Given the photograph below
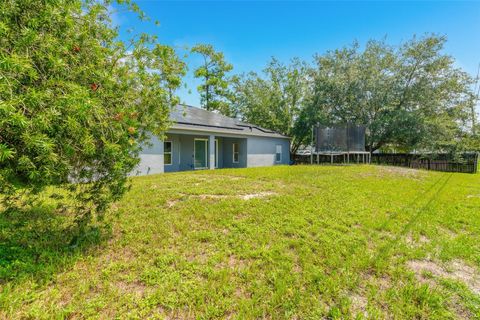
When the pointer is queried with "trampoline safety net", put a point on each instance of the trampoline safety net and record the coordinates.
(339, 138)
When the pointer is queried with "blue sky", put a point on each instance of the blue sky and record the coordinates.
(250, 32)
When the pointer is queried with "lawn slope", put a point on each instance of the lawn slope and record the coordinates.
(299, 242)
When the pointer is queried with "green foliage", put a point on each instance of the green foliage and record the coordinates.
(317, 241)
(76, 103)
(275, 99)
(214, 92)
(410, 97)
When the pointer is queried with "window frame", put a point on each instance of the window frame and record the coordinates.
(237, 152)
(179, 153)
(170, 152)
(278, 153)
(216, 153)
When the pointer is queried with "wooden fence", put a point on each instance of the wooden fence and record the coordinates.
(466, 163)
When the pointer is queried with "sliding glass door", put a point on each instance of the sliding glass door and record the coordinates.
(201, 153)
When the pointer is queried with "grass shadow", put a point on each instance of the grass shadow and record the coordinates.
(36, 243)
(383, 252)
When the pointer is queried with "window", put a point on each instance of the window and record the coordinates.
(236, 152)
(278, 153)
(167, 152)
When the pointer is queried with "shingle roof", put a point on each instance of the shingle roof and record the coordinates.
(192, 118)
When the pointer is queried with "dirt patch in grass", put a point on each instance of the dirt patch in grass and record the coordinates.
(200, 255)
(234, 178)
(467, 274)
(358, 305)
(473, 196)
(136, 288)
(172, 202)
(358, 297)
(234, 262)
(247, 196)
(456, 270)
(458, 308)
(212, 196)
(242, 293)
(416, 241)
(447, 232)
(167, 314)
(120, 254)
(401, 171)
(387, 171)
(205, 197)
(257, 195)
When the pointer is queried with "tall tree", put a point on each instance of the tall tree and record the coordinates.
(410, 97)
(274, 99)
(76, 103)
(214, 90)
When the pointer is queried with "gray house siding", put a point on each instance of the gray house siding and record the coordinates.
(228, 153)
(151, 158)
(187, 148)
(253, 152)
(256, 146)
(261, 151)
(176, 153)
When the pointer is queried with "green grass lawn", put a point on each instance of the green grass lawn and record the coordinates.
(299, 242)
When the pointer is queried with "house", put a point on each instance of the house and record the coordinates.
(201, 139)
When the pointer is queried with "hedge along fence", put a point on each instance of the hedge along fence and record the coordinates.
(466, 163)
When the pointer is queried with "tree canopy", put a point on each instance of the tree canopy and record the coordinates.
(76, 103)
(410, 97)
(214, 91)
(275, 98)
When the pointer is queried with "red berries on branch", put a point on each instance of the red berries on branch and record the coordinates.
(118, 116)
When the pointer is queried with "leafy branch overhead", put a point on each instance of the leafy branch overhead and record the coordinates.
(75, 102)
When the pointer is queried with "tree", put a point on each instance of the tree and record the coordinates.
(214, 91)
(275, 99)
(410, 97)
(76, 103)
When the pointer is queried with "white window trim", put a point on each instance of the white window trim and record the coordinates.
(179, 153)
(281, 151)
(233, 152)
(170, 153)
(216, 153)
(206, 153)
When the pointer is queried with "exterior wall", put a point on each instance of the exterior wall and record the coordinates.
(186, 143)
(176, 153)
(254, 152)
(228, 153)
(261, 151)
(151, 159)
